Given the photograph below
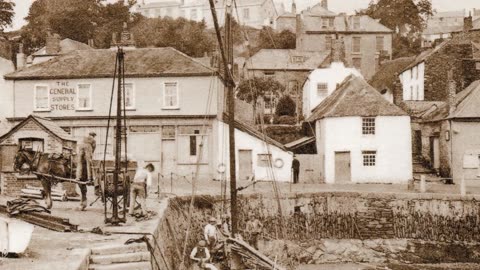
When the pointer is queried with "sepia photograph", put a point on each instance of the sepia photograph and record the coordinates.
(239, 134)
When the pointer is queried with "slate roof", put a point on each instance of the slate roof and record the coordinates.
(66, 45)
(300, 142)
(467, 103)
(318, 10)
(146, 62)
(420, 109)
(47, 124)
(425, 55)
(282, 59)
(388, 73)
(355, 97)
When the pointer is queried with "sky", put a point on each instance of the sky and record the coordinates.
(348, 6)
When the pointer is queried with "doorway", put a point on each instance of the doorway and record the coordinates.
(342, 168)
(245, 168)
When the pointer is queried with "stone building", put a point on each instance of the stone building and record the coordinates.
(289, 67)
(253, 13)
(441, 25)
(37, 134)
(367, 42)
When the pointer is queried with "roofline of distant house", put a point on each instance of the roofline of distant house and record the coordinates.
(105, 76)
(211, 116)
(347, 32)
(282, 69)
(458, 119)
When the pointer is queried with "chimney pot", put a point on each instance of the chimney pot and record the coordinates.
(294, 7)
(324, 4)
(21, 59)
(468, 23)
(338, 50)
(52, 46)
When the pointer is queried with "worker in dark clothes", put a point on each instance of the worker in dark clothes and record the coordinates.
(295, 169)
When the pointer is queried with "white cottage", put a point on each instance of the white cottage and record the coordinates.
(322, 82)
(361, 137)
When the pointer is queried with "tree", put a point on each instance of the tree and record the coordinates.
(189, 37)
(252, 89)
(285, 106)
(407, 18)
(269, 39)
(6, 13)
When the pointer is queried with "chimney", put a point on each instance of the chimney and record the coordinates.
(452, 92)
(324, 4)
(338, 50)
(468, 23)
(20, 57)
(294, 7)
(52, 46)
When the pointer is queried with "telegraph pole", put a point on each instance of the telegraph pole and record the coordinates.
(231, 116)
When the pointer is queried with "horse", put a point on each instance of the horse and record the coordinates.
(29, 161)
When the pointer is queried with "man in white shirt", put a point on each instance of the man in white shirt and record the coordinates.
(210, 233)
(138, 188)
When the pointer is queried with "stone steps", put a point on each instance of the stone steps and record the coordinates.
(123, 266)
(120, 257)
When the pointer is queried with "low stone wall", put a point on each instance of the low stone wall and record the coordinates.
(309, 219)
(13, 183)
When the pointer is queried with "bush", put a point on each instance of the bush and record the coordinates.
(286, 120)
(286, 106)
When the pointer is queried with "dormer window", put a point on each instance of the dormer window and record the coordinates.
(298, 59)
(328, 22)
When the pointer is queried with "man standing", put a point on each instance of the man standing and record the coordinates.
(210, 233)
(254, 228)
(138, 188)
(201, 255)
(85, 155)
(295, 169)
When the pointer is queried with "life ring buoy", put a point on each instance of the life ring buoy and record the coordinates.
(279, 163)
(221, 168)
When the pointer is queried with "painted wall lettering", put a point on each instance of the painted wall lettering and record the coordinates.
(62, 97)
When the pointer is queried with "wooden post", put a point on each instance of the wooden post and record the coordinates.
(423, 184)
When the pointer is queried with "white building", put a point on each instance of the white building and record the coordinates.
(361, 137)
(6, 66)
(322, 82)
(254, 13)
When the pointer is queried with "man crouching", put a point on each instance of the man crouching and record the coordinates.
(201, 255)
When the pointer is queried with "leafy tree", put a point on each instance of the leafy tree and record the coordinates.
(407, 18)
(189, 37)
(6, 13)
(252, 89)
(269, 39)
(285, 106)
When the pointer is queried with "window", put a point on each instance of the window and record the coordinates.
(246, 13)
(369, 158)
(193, 145)
(192, 139)
(380, 44)
(322, 89)
(411, 92)
(42, 98)
(193, 14)
(129, 96)
(331, 22)
(170, 99)
(293, 88)
(168, 133)
(298, 59)
(356, 22)
(84, 96)
(357, 62)
(34, 144)
(368, 125)
(356, 46)
(328, 43)
(324, 23)
(264, 160)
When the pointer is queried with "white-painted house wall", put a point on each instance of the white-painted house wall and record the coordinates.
(6, 94)
(392, 141)
(413, 82)
(245, 141)
(333, 75)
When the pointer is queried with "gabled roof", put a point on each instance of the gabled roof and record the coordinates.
(300, 142)
(467, 104)
(355, 97)
(420, 109)
(146, 62)
(319, 10)
(344, 23)
(283, 59)
(66, 45)
(388, 73)
(47, 124)
(425, 55)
